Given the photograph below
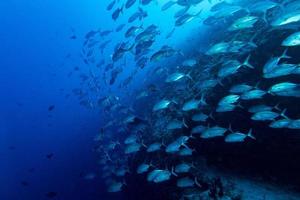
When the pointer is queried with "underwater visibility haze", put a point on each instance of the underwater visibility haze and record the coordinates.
(150, 99)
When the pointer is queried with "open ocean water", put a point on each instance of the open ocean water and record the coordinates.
(150, 99)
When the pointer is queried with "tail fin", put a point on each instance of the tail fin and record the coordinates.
(202, 100)
(220, 82)
(246, 62)
(284, 54)
(239, 105)
(172, 171)
(283, 114)
(250, 134)
(142, 143)
(230, 128)
(184, 123)
(276, 107)
(197, 183)
(211, 116)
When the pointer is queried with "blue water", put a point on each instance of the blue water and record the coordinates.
(47, 142)
(34, 38)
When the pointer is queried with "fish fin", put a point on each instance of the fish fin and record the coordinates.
(189, 76)
(220, 82)
(256, 85)
(181, 53)
(283, 114)
(184, 145)
(142, 143)
(163, 143)
(284, 54)
(172, 171)
(211, 116)
(250, 134)
(197, 183)
(246, 62)
(276, 107)
(184, 123)
(203, 101)
(239, 105)
(191, 136)
(230, 128)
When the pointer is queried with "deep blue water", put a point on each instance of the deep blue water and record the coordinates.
(47, 137)
(34, 38)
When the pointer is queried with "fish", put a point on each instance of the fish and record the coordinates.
(139, 14)
(117, 13)
(111, 5)
(234, 137)
(143, 168)
(176, 76)
(154, 147)
(198, 129)
(132, 148)
(280, 123)
(186, 18)
(176, 124)
(183, 168)
(185, 182)
(267, 115)
(253, 94)
(193, 104)
(131, 139)
(243, 23)
(240, 88)
(164, 52)
(132, 31)
(232, 66)
(120, 27)
(280, 70)
(189, 62)
(292, 40)
(145, 2)
(230, 99)
(294, 124)
(273, 62)
(186, 151)
(115, 187)
(161, 105)
(158, 175)
(90, 176)
(261, 107)
(285, 89)
(51, 107)
(168, 5)
(181, 12)
(286, 18)
(129, 3)
(51, 195)
(211, 132)
(201, 117)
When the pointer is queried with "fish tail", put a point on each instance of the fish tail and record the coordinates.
(197, 183)
(283, 114)
(284, 54)
(250, 134)
(247, 64)
(230, 128)
(211, 116)
(172, 171)
(184, 123)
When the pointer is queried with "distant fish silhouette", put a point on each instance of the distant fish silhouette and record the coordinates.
(50, 156)
(50, 108)
(51, 195)
(24, 183)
